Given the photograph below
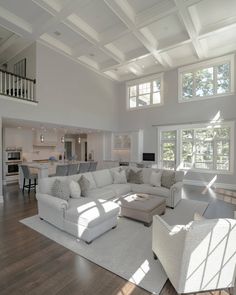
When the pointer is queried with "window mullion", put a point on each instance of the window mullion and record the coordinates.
(215, 80)
(194, 84)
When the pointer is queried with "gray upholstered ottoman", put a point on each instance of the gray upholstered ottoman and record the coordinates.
(142, 207)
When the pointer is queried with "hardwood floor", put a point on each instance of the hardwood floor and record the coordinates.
(33, 264)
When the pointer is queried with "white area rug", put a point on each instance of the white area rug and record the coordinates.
(126, 250)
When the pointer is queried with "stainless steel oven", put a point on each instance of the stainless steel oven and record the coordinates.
(12, 168)
(13, 154)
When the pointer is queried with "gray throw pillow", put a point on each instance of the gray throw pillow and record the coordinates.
(84, 186)
(60, 189)
(167, 178)
(135, 176)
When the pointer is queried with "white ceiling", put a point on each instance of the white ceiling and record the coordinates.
(122, 39)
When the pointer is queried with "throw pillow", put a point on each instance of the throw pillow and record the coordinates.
(84, 186)
(135, 176)
(155, 178)
(167, 178)
(75, 191)
(60, 189)
(119, 177)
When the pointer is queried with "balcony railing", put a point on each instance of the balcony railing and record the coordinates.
(17, 87)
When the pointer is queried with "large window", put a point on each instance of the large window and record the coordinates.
(200, 147)
(207, 79)
(144, 92)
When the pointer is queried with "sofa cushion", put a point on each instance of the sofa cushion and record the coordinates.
(167, 178)
(60, 189)
(92, 212)
(102, 177)
(45, 184)
(155, 178)
(104, 193)
(75, 191)
(135, 176)
(119, 177)
(147, 174)
(92, 182)
(148, 189)
(120, 189)
(84, 184)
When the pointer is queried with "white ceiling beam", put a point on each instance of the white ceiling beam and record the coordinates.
(187, 21)
(56, 43)
(14, 23)
(155, 13)
(135, 69)
(58, 17)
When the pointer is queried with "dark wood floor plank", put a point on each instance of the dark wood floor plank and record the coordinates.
(32, 264)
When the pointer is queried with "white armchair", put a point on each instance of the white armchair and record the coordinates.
(200, 256)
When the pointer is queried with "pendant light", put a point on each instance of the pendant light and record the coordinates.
(41, 138)
(63, 139)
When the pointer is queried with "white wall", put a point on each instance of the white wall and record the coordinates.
(68, 93)
(1, 198)
(174, 113)
(29, 54)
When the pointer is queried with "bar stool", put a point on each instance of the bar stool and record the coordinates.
(31, 177)
(84, 167)
(93, 166)
(61, 170)
(73, 169)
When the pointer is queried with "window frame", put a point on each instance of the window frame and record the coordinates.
(179, 128)
(202, 65)
(137, 82)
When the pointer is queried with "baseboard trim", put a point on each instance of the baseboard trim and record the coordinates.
(215, 185)
(1, 199)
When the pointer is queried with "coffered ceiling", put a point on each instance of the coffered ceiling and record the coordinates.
(123, 39)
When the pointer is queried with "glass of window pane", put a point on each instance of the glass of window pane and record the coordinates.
(156, 98)
(132, 102)
(168, 134)
(187, 134)
(204, 134)
(187, 85)
(204, 82)
(156, 86)
(144, 88)
(187, 154)
(168, 155)
(222, 132)
(144, 100)
(132, 91)
(222, 148)
(222, 163)
(223, 78)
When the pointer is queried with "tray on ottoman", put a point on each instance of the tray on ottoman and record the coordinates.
(142, 207)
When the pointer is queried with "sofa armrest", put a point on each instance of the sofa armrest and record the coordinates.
(177, 186)
(168, 246)
(52, 202)
(175, 194)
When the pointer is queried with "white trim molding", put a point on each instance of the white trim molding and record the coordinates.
(201, 65)
(206, 183)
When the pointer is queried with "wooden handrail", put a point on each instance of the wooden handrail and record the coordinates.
(18, 76)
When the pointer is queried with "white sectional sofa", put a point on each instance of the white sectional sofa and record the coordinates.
(90, 216)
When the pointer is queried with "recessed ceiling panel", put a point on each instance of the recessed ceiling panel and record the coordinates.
(128, 43)
(181, 55)
(97, 55)
(141, 5)
(209, 12)
(220, 43)
(167, 31)
(27, 10)
(98, 16)
(69, 37)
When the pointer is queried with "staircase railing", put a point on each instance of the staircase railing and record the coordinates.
(16, 86)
